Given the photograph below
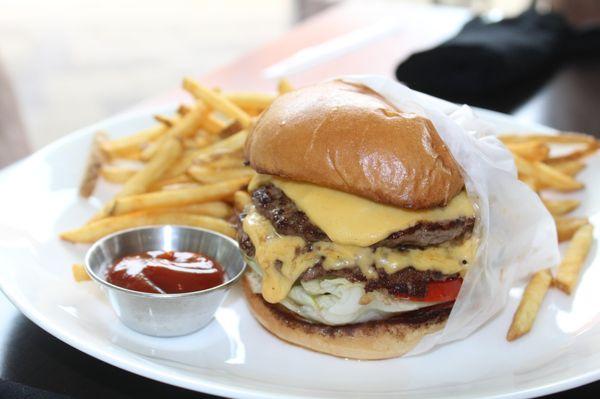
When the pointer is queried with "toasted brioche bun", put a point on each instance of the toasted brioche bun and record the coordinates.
(347, 137)
(368, 341)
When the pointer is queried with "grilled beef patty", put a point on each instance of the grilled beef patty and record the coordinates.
(408, 281)
(273, 204)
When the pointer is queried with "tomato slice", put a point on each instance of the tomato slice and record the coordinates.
(442, 291)
(439, 291)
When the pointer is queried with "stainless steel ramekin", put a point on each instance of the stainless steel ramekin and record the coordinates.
(165, 315)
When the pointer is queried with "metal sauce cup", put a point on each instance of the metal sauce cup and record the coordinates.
(165, 315)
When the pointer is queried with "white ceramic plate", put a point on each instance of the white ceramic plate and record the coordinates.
(234, 356)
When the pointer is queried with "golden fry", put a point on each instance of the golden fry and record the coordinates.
(116, 174)
(167, 181)
(225, 162)
(530, 304)
(241, 199)
(180, 186)
(284, 86)
(546, 175)
(79, 273)
(186, 126)
(207, 175)
(180, 166)
(570, 168)
(183, 109)
(229, 145)
(216, 101)
(168, 121)
(532, 150)
(562, 138)
(566, 227)
(149, 150)
(152, 171)
(561, 207)
(226, 146)
(95, 160)
(251, 100)
(577, 154)
(167, 199)
(569, 268)
(230, 130)
(213, 125)
(218, 209)
(95, 230)
(123, 147)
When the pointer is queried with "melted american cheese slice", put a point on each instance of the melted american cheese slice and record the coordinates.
(353, 220)
(283, 259)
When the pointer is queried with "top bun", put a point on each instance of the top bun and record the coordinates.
(347, 137)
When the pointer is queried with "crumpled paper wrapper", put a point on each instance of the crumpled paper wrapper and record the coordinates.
(517, 234)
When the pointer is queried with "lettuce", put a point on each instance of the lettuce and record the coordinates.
(336, 301)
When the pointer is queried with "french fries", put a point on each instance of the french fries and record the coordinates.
(540, 170)
(79, 273)
(115, 174)
(546, 176)
(562, 138)
(96, 159)
(284, 86)
(566, 227)
(95, 230)
(122, 147)
(213, 124)
(530, 304)
(561, 207)
(217, 101)
(570, 168)
(250, 101)
(208, 175)
(167, 199)
(531, 150)
(569, 268)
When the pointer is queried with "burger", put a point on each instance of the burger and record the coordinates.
(360, 230)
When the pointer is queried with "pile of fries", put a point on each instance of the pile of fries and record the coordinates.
(190, 171)
(544, 172)
(187, 170)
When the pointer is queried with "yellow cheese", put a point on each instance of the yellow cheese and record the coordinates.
(283, 259)
(353, 220)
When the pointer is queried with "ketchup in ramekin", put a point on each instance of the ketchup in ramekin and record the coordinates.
(166, 272)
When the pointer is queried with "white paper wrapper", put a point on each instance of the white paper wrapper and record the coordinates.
(517, 234)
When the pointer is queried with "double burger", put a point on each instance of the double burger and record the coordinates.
(360, 230)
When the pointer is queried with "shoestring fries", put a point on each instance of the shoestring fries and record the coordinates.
(187, 169)
(542, 171)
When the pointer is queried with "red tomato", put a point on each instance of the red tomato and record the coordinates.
(442, 291)
(439, 291)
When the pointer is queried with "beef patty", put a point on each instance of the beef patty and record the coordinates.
(407, 281)
(273, 204)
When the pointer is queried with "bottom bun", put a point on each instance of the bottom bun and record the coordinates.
(381, 339)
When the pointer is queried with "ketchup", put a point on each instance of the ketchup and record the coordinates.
(166, 272)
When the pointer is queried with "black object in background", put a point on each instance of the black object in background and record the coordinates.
(497, 64)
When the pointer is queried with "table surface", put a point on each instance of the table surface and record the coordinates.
(569, 100)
